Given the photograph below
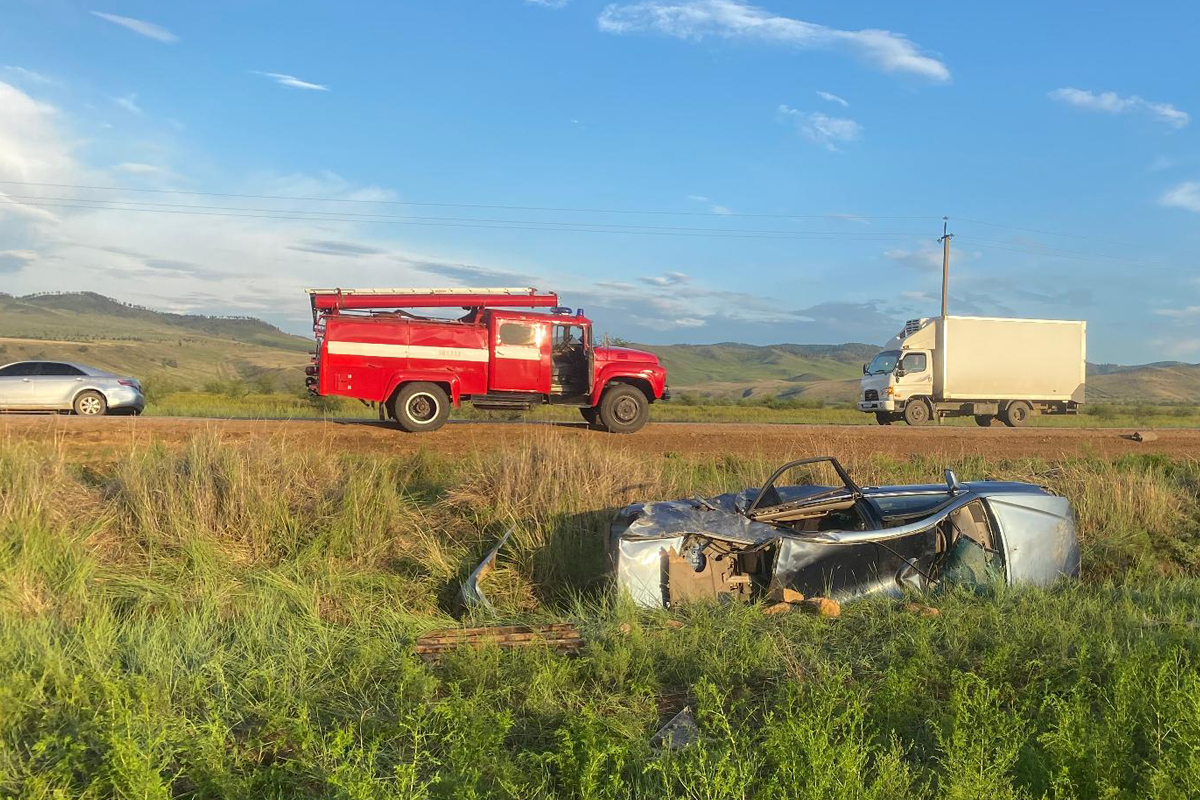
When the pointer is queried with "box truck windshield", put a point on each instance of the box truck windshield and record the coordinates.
(883, 363)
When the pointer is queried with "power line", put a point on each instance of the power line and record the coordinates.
(368, 217)
(842, 217)
(530, 225)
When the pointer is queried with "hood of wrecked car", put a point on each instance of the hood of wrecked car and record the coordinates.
(841, 542)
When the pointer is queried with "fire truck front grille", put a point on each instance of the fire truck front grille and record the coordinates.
(870, 394)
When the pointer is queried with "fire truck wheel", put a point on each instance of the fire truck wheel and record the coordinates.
(623, 409)
(420, 407)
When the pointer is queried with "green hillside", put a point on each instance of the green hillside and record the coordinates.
(183, 350)
(730, 369)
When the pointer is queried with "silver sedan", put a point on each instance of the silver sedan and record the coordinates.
(64, 386)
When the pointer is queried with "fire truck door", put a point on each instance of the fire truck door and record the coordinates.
(520, 356)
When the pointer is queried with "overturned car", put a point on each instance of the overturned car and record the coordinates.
(841, 542)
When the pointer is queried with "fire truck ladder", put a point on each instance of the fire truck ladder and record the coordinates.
(332, 301)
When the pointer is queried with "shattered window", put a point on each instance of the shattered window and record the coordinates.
(971, 557)
(908, 505)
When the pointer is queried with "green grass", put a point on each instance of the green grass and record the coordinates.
(241, 402)
(235, 620)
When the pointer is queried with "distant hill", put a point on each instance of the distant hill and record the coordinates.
(185, 350)
(831, 373)
(733, 370)
(189, 350)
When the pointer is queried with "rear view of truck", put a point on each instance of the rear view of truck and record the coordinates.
(988, 368)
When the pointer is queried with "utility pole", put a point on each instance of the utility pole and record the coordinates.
(945, 240)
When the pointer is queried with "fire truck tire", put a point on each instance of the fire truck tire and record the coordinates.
(419, 407)
(623, 409)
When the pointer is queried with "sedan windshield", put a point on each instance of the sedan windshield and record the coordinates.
(884, 363)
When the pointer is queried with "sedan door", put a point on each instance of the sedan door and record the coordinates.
(55, 385)
(16, 385)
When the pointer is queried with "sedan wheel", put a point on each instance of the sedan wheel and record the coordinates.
(91, 404)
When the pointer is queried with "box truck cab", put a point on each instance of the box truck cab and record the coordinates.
(983, 367)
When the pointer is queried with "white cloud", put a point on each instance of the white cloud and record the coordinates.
(134, 168)
(833, 98)
(925, 258)
(822, 129)
(29, 75)
(292, 81)
(148, 29)
(713, 208)
(548, 3)
(129, 103)
(14, 260)
(689, 322)
(729, 19)
(1181, 348)
(1187, 312)
(1112, 103)
(666, 279)
(1186, 196)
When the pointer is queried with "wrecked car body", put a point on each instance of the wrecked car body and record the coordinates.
(841, 542)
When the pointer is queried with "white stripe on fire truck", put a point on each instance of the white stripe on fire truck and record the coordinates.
(519, 352)
(407, 351)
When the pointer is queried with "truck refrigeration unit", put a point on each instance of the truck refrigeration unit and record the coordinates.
(498, 355)
(982, 367)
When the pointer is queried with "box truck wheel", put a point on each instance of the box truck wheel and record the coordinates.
(984, 420)
(917, 412)
(421, 407)
(1017, 413)
(884, 417)
(623, 409)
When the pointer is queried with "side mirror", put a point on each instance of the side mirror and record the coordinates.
(952, 483)
(900, 373)
(864, 369)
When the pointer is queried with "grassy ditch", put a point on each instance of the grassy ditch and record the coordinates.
(239, 403)
(236, 619)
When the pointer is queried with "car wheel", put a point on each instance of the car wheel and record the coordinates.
(984, 420)
(623, 409)
(884, 418)
(1017, 413)
(90, 404)
(917, 412)
(420, 407)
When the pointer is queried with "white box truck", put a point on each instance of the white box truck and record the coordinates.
(983, 367)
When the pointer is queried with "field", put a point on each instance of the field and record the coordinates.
(215, 612)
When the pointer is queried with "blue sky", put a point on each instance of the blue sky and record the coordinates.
(685, 170)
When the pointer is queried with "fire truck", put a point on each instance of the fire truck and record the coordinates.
(402, 351)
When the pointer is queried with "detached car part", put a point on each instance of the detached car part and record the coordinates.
(841, 542)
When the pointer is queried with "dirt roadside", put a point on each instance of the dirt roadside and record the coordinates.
(112, 434)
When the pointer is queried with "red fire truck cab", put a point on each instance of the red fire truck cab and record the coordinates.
(500, 354)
